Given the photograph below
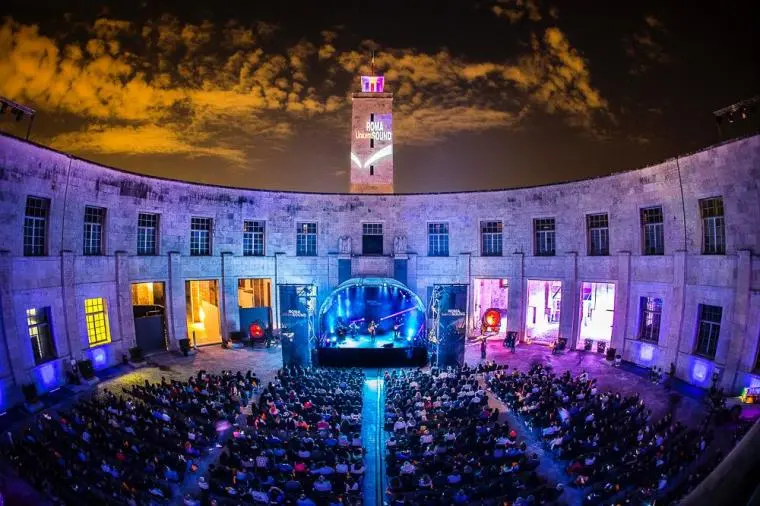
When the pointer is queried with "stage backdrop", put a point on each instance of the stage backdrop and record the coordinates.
(297, 317)
(452, 324)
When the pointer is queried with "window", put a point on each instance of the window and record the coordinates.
(35, 226)
(544, 230)
(652, 231)
(491, 238)
(306, 239)
(94, 218)
(372, 238)
(709, 330)
(253, 238)
(713, 226)
(38, 323)
(372, 142)
(96, 316)
(650, 316)
(371, 170)
(200, 236)
(598, 234)
(147, 234)
(438, 239)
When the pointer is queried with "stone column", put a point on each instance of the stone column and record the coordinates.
(568, 318)
(516, 298)
(10, 330)
(672, 337)
(229, 297)
(176, 327)
(70, 305)
(622, 297)
(124, 302)
(411, 272)
(739, 339)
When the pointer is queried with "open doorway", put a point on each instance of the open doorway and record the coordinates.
(254, 306)
(489, 303)
(597, 311)
(203, 318)
(543, 306)
(149, 311)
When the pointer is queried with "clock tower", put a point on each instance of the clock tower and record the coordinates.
(372, 137)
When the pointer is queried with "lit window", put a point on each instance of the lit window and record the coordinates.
(544, 232)
(94, 219)
(438, 239)
(713, 226)
(652, 231)
(96, 316)
(598, 234)
(491, 238)
(147, 234)
(709, 330)
(253, 238)
(200, 236)
(372, 238)
(650, 315)
(38, 324)
(306, 239)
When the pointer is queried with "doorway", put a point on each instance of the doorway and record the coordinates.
(149, 311)
(254, 306)
(203, 317)
(544, 302)
(597, 307)
(489, 294)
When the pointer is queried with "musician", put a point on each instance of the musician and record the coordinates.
(372, 329)
(340, 329)
(353, 329)
(397, 324)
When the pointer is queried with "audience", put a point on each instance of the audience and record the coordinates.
(300, 445)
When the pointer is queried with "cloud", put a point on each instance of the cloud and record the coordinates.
(517, 10)
(204, 89)
(644, 48)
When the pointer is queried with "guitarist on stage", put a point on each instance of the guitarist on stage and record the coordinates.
(397, 324)
(372, 329)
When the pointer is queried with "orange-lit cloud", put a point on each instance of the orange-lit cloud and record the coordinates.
(166, 86)
(644, 48)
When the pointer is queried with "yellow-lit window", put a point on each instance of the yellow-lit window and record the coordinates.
(96, 315)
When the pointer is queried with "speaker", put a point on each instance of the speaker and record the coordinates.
(388, 345)
(611, 352)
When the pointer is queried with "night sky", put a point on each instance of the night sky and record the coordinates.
(487, 94)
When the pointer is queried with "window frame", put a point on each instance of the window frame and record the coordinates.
(491, 238)
(706, 344)
(254, 237)
(436, 251)
(712, 212)
(593, 249)
(92, 229)
(196, 237)
(38, 225)
(96, 318)
(144, 228)
(34, 332)
(651, 228)
(656, 315)
(306, 235)
(545, 234)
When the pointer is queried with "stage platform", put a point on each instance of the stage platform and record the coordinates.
(372, 357)
(364, 341)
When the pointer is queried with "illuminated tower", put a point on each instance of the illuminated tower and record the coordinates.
(372, 137)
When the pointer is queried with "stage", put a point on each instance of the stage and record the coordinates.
(365, 341)
(372, 357)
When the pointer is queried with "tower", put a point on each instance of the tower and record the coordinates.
(372, 137)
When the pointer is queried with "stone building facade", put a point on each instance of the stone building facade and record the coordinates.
(703, 257)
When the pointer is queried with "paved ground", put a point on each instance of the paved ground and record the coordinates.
(265, 363)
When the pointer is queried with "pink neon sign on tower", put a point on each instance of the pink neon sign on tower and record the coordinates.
(372, 84)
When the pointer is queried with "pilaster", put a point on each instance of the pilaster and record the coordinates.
(70, 304)
(175, 302)
(739, 339)
(10, 330)
(230, 314)
(568, 318)
(672, 342)
(516, 297)
(124, 302)
(622, 292)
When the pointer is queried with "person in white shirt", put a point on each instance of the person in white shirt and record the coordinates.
(400, 425)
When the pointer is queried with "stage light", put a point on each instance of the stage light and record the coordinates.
(256, 330)
(492, 318)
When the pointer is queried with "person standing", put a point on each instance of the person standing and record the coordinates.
(483, 348)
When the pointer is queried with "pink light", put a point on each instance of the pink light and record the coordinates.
(396, 314)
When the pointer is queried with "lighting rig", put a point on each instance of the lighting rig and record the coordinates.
(19, 111)
(740, 111)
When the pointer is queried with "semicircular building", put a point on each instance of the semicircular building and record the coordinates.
(658, 263)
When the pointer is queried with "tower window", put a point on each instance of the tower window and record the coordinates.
(372, 116)
(371, 170)
(372, 142)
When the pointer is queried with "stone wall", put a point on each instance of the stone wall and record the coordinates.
(682, 277)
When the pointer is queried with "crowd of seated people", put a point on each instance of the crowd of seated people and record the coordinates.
(447, 447)
(128, 450)
(614, 446)
(300, 445)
